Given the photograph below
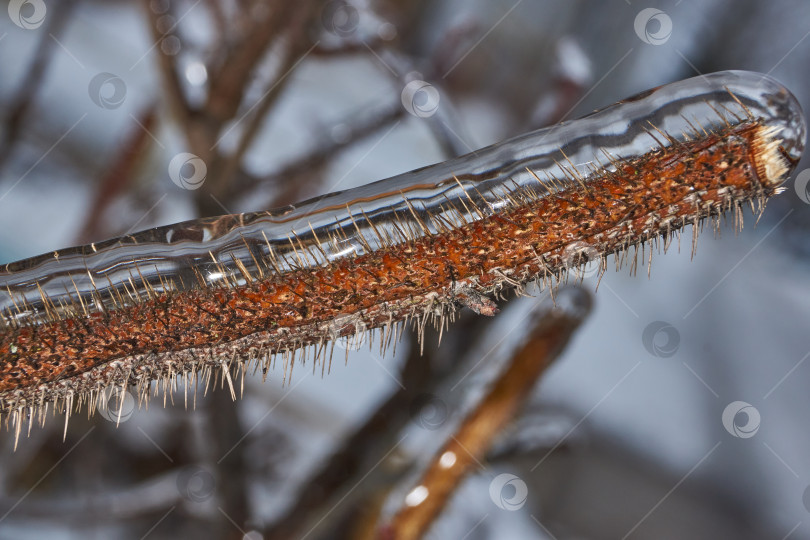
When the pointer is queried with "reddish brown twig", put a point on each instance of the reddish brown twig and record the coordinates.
(173, 332)
(465, 449)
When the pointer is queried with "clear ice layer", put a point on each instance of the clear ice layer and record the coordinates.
(232, 250)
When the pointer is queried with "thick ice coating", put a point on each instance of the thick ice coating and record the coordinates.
(230, 250)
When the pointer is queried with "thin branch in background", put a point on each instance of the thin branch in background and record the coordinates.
(230, 80)
(20, 103)
(454, 43)
(220, 19)
(134, 501)
(225, 438)
(464, 451)
(350, 47)
(173, 94)
(357, 454)
(296, 48)
(283, 24)
(322, 503)
(301, 176)
(120, 174)
(437, 110)
(571, 76)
